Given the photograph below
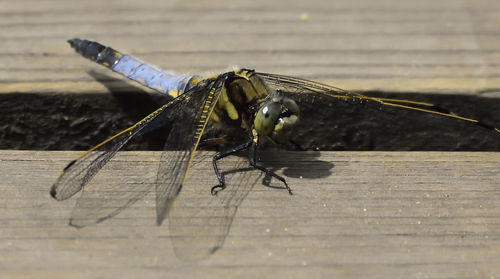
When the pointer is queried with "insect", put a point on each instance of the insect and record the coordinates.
(263, 106)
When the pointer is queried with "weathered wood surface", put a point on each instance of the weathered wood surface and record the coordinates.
(353, 215)
(376, 215)
(445, 46)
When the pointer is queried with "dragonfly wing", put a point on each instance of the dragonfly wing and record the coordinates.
(81, 170)
(102, 201)
(182, 142)
(198, 231)
(387, 112)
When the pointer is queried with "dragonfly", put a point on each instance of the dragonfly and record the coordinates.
(261, 106)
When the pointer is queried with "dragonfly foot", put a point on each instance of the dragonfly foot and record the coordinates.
(217, 189)
(288, 187)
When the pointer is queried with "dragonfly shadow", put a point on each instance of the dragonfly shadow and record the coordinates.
(200, 224)
(96, 206)
(115, 188)
(301, 164)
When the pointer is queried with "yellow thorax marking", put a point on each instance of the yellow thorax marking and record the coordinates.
(243, 74)
(255, 136)
(173, 93)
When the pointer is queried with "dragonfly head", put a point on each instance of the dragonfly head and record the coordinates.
(277, 117)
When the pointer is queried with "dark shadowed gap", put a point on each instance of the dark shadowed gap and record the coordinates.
(41, 121)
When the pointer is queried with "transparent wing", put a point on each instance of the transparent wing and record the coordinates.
(184, 138)
(200, 222)
(312, 96)
(104, 200)
(81, 170)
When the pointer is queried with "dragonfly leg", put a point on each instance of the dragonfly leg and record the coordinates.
(220, 155)
(252, 159)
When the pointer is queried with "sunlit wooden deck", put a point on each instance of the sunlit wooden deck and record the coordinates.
(353, 215)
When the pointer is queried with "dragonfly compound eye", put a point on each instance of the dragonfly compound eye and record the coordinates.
(276, 117)
(266, 117)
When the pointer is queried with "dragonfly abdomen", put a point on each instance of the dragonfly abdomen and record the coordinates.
(166, 83)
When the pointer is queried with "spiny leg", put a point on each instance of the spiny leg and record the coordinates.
(251, 159)
(220, 155)
(252, 155)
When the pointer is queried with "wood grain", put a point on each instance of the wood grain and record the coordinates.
(354, 214)
(450, 46)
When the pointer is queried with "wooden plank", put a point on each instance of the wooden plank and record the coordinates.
(450, 46)
(354, 214)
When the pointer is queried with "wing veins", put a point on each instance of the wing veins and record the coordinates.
(78, 176)
(169, 184)
(339, 93)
